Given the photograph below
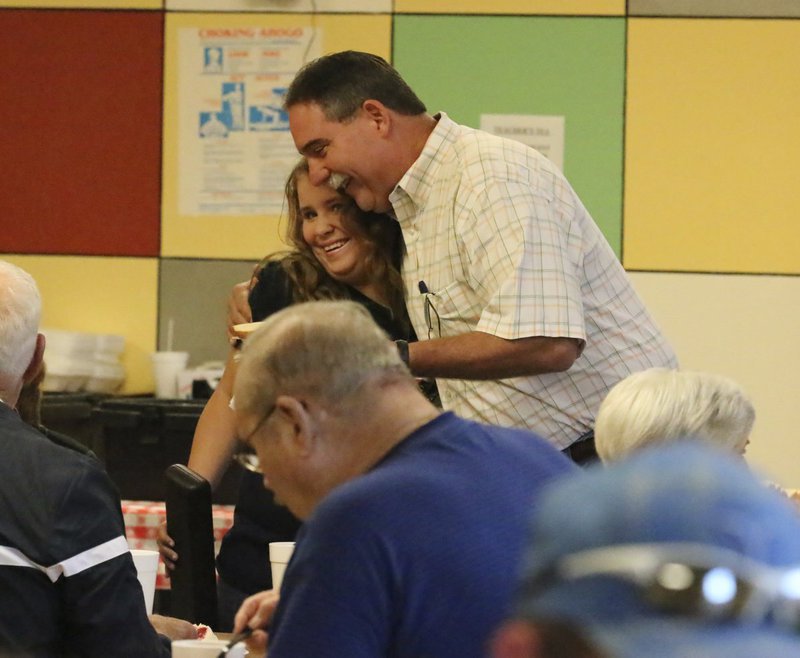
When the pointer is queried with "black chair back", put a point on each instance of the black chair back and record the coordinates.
(193, 593)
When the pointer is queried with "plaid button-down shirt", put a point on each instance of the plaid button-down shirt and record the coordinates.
(499, 242)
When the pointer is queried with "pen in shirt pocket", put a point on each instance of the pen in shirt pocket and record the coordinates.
(431, 314)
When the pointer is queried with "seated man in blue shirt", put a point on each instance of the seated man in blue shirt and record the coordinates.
(68, 585)
(414, 519)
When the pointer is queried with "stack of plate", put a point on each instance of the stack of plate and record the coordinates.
(78, 361)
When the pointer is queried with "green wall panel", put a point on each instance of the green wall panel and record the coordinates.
(468, 66)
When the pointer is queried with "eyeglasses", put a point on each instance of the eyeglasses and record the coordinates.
(692, 579)
(248, 461)
(430, 311)
(245, 457)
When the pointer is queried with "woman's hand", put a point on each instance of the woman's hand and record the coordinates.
(165, 547)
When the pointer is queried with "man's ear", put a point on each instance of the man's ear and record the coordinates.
(379, 114)
(303, 424)
(516, 639)
(36, 361)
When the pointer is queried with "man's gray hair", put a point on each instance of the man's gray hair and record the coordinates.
(324, 349)
(661, 405)
(340, 83)
(20, 312)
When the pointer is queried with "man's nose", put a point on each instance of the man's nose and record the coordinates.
(317, 172)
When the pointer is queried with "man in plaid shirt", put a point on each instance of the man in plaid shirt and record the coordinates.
(530, 317)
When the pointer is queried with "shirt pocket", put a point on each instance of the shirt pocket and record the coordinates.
(456, 307)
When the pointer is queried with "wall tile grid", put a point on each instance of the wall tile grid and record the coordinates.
(681, 139)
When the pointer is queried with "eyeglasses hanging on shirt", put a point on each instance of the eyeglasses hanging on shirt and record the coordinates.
(431, 314)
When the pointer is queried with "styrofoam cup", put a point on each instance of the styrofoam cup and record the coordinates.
(146, 563)
(166, 366)
(279, 554)
(205, 649)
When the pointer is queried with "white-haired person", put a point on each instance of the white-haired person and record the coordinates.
(660, 405)
(68, 584)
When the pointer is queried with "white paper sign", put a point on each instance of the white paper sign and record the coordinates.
(544, 133)
(235, 149)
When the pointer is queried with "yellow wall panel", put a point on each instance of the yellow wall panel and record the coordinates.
(744, 327)
(712, 146)
(102, 295)
(247, 237)
(529, 7)
(283, 6)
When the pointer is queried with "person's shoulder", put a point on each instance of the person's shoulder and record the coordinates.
(507, 443)
(55, 467)
(356, 507)
(484, 157)
(66, 441)
(21, 438)
(511, 434)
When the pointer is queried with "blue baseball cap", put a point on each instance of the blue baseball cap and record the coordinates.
(680, 551)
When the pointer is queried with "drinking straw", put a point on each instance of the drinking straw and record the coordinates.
(170, 333)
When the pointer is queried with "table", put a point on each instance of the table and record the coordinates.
(142, 518)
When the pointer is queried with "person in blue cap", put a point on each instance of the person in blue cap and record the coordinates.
(678, 552)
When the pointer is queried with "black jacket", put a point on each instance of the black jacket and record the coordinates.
(68, 585)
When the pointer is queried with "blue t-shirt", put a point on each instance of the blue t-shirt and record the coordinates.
(418, 557)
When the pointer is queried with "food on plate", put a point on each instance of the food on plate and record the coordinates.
(204, 632)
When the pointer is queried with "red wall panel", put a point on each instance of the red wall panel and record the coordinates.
(80, 132)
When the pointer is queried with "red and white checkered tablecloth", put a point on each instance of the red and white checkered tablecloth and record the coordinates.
(142, 518)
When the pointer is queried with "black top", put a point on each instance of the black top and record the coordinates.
(243, 559)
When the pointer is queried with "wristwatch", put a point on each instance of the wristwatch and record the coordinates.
(402, 350)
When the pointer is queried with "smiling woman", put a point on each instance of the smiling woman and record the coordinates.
(341, 246)
(339, 252)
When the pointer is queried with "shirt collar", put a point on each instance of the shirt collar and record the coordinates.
(414, 188)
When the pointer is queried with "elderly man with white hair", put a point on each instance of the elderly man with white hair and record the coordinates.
(68, 586)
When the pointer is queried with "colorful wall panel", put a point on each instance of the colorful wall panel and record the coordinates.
(283, 6)
(103, 296)
(84, 4)
(81, 121)
(193, 297)
(712, 141)
(521, 7)
(736, 325)
(744, 8)
(570, 67)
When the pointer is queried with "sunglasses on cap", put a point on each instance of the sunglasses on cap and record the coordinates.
(691, 579)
